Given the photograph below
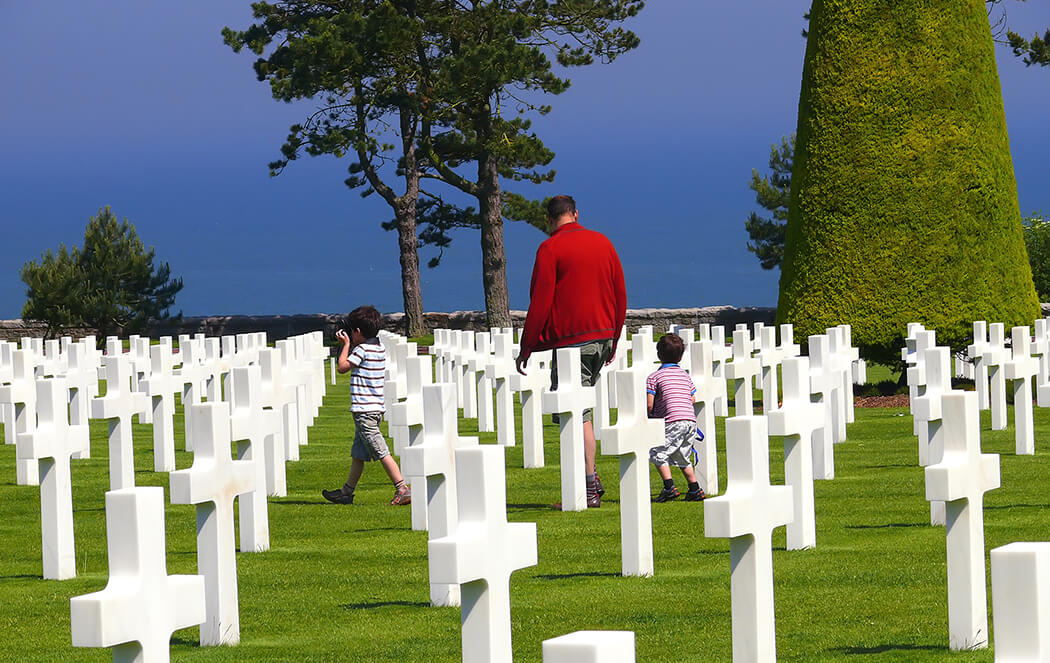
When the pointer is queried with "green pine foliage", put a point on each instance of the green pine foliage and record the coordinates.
(1037, 241)
(903, 199)
(110, 285)
(773, 193)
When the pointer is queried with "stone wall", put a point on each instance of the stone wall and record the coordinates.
(283, 326)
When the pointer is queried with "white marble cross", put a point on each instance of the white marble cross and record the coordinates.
(976, 352)
(1041, 348)
(297, 379)
(769, 359)
(191, 375)
(1021, 601)
(395, 385)
(741, 372)
(249, 428)
(52, 443)
(921, 341)
(631, 438)
(119, 405)
(141, 368)
(500, 369)
(161, 387)
(788, 348)
(281, 394)
(569, 402)
(434, 460)
(823, 388)
(1022, 368)
(720, 354)
(81, 379)
(141, 605)
(799, 420)
(212, 483)
(996, 355)
(929, 415)
(960, 480)
(482, 385)
(530, 388)
(708, 390)
(842, 360)
(857, 371)
(409, 414)
(282, 413)
(643, 350)
(482, 552)
(590, 647)
(468, 393)
(20, 396)
(747, 514)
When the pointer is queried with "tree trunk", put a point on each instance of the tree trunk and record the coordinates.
(411, 292)
(493, 257)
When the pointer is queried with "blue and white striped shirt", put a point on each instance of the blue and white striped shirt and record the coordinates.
(368, 362)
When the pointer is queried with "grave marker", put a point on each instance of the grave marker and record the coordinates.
(631, 438)
(1022, 368)
(501, 369)
(118, 406)
(409, 414)
(433, 459)
(1021, 601)
(929, 415)
(960, 480)
(482, 553)
(823, 387)
(160, 388)
(747, 514)
(798, 419)
(708, 390)
(51, 444)
(741, 371)
(248, 428)
(530, 388)
(590, 647)
(212, 483)
(996, 356)
(141, 605)
(976, 352)
(569, 402)
(20, 396)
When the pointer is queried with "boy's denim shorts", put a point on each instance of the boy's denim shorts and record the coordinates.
(369, 443)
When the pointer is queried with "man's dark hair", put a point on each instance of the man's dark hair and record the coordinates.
(559, 205)
(670, 348)
(365, 318)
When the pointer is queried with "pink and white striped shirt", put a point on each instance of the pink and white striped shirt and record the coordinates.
(673, 391)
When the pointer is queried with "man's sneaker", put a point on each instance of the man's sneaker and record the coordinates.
(667, 494)
(598, 487)
(402, 496)
(594, 500)
(338, 496)
(697, 496)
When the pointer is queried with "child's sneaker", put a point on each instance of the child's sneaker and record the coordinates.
(695, 496)
(667, 494)
(598, 487)
(402, 496)
(338, 496)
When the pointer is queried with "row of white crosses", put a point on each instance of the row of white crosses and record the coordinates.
(957, 476)
(58, 434)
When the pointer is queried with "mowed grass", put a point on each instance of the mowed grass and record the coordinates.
(349, 583)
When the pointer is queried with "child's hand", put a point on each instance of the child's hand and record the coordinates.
(342, 336)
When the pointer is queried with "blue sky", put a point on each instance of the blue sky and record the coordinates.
(137, 104)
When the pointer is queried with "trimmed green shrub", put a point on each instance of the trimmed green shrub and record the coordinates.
(903, 199)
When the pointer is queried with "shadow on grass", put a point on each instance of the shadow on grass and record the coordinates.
(1016, 506)
(583, 574)
(298, 502)
(531, 505)
(882, 649)
(887, 467)
(176, 640)
(887, 526)
(22, 576)
(380, 529)
(384, 604)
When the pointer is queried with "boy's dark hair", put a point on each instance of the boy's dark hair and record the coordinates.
(559, 205)
(670, 348)
(365, 318)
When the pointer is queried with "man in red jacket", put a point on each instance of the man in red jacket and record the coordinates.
(577, 299)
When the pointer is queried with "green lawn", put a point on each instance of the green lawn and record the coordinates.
(349, 583)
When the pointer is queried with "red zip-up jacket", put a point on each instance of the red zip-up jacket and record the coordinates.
(577, 293)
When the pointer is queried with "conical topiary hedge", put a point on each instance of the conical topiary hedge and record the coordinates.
(903, 199)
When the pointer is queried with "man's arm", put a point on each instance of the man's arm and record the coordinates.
(541, 300)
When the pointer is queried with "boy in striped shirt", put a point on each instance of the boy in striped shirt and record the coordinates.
(364, 358)
(670, 396)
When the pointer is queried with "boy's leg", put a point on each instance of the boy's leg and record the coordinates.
(392, 470)
(357, 467)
